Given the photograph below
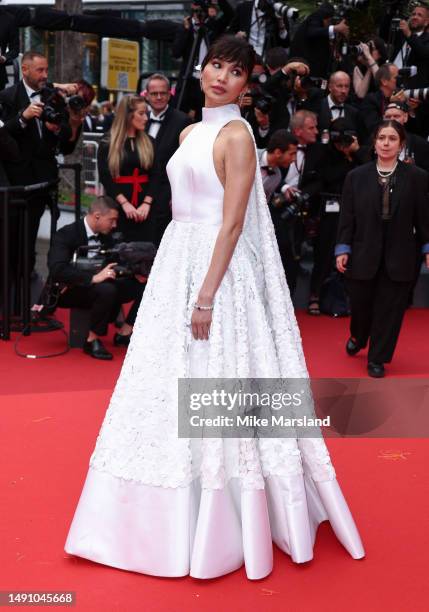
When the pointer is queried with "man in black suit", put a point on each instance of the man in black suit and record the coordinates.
(315, 38)
(334, 105)
(9, 43)
(374, 104)
(416, 148)
(101, 293)
(256, 21)
(305, 175)
(38, 140)
(412, 46)
(200, 28)
(164, 125)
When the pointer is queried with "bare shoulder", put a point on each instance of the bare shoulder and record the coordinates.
(239, 143)
(184, 133)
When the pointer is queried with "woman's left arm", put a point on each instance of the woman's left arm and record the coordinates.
(240, 166)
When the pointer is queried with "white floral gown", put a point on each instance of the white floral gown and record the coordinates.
(160, 505)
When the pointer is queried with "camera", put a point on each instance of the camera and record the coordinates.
(279, 8)
(421, 93)
(343, 138)
(262, 101)
(131, 258)
(307, 82)
(297, 207)
(55, 106)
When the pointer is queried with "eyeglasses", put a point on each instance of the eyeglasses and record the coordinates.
(158, 94)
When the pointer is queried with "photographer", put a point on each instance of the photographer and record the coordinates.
(259, 23)
(301, 189)
(334, 105)
(39, 139)
(412, 46)
(343, 153)
(315, 37)
(192, 40)
(372, 55)
(102, 293)
(374, 104)
(280, 153)
(416, 149)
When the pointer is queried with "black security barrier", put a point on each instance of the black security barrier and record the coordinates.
(18, 197)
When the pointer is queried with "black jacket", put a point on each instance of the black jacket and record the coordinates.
(361, 226)
(418, 148)
(242, 22)
(37, 160)
(64, 243)
(9, 42)
(418, 57)
(371, 112)
(351, 114)
(8, 151)
(311, 40)
(166, 143)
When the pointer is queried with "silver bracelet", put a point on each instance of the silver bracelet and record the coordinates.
(198, 307)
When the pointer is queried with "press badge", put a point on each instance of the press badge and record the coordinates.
(332, 206)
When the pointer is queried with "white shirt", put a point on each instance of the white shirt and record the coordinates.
(294, 173)
(257, 29)
(156, 126)
(93, 239)
(31, 91)
(336, 113)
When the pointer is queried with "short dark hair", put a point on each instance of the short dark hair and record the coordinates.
(232, 49)
(281, 139)
(103, 204)
(398, 127)
(382, 74)
(86, 91)
(29, 56)
(276, 57)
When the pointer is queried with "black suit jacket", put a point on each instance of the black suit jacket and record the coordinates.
(351, 114)
(166, 143)
(37, 162)
(418, 148)
(64, 243)
(242, 22)
(9, 42)
(8, 151)
(371, 112)
(361, 225)
(418, 56)
(311, 40)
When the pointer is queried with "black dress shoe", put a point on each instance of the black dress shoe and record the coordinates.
(121, 339)
(376, 370)
(96, 349)
(352, 347)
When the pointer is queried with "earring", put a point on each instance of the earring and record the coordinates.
(201, 83)
(240, 98)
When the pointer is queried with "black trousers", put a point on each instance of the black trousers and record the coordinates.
(104, 301)
(324, 247)
(378, 306)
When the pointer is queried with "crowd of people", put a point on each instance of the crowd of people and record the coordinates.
(315, 103)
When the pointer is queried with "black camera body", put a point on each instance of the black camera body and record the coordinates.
(343, 138)
(262, 101)
(299, 206)
(56, 106)
(131, 258)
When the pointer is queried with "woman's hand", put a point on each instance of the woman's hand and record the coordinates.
(143, 211)
(342, 262)
(200, 322)
(131, 212)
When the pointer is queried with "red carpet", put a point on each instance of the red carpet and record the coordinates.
(51, 413)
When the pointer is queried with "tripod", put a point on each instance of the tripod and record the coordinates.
(202, 33)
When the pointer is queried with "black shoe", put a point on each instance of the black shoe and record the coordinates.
(121, 339)
(352, 347)
(96, 349)
(376, 370)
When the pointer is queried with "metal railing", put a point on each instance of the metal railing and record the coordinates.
(91, 178)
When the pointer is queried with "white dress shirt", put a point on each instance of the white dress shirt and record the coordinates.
(32, 98)
(157, 120)
(336, 112)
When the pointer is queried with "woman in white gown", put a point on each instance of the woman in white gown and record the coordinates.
(168, 506)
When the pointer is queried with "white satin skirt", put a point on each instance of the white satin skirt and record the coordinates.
(205, 533)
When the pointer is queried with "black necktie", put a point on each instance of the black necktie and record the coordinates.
(337, 107)
(156, 120)
(35, 93)
(302, 148)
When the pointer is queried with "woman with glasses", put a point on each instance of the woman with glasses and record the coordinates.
(125, 164)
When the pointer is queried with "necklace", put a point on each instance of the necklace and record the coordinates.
(384, 174)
